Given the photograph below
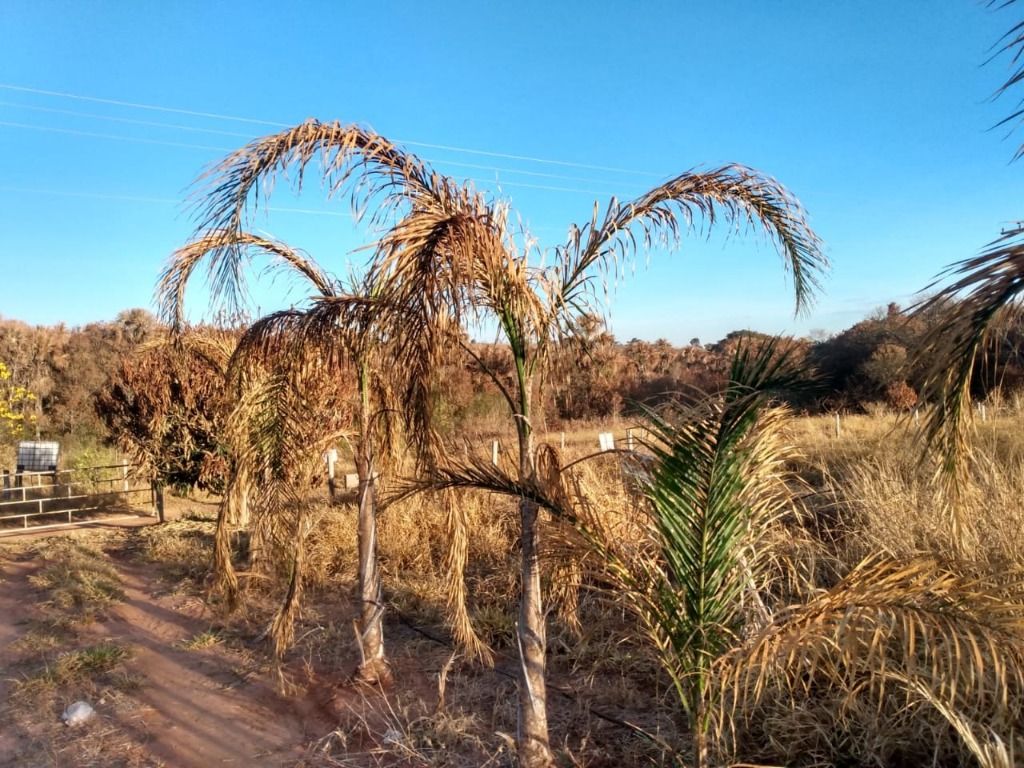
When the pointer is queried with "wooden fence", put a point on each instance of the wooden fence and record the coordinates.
(39, 500)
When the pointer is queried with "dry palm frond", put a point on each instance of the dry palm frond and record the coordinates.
(280, 429)
(1012, 44)
(352, 160)
(989, 749)
(228, 252)
(983, 295)
(455, 567)
(741, 195)
(888, 629)
(212, 345)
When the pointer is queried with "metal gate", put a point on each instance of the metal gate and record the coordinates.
(69, 497)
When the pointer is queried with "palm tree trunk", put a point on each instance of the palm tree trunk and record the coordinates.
(532, 733)
(373, 667)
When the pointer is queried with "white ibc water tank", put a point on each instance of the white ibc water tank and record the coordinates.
(37, 456)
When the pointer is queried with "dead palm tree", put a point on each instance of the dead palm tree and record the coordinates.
(537, 309)
(448, 254)
(338, 333)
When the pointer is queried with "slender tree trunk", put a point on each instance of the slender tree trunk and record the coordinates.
(224, 578)
(370, 626)
(532, 733)
(699, 716)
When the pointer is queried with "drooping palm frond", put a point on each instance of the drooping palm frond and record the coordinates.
(984, 293)
(740, 195)
(887, 630)
(280, 429)
(457, 599)
(716, 481)
(213, 247)
(212, 345)
(1012, 45)
(352, 160)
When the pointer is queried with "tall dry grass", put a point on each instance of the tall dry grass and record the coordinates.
(863, 493)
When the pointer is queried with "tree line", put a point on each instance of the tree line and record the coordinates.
(76, 375)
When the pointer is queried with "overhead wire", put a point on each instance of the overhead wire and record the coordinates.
(197, 129)
(142, 140)
(272, 123)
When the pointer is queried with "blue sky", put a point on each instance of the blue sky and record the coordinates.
(875, 114)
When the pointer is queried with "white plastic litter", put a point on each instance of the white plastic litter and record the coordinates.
(78, 713)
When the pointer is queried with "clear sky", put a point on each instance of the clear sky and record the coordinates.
(874, 113)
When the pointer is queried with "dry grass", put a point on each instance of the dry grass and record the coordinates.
(866, 494)
(58, 663)
(77, 579)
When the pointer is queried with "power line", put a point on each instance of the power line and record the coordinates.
(254, 121)
(168, 200)
(177, 126)
(140, 140)
(152, 107)
(111, 136)
(174, 201)
(132, 121)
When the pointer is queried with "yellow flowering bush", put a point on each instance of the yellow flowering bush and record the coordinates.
(15, 405)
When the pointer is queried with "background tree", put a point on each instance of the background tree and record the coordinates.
(166, 409)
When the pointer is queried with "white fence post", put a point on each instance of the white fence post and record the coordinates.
(839, 428)
(331, 456)
(494, 452)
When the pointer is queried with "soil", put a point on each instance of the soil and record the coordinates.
(15, 595)
(201, 707)
(223, 705)
(193, 708)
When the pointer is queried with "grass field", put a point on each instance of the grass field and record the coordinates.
(118, 617)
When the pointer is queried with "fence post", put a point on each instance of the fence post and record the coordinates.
(629, 439)
(331, 456)
(839, 428)
(494, 452)
(563, 441)
(124, 475)
(157, 491)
